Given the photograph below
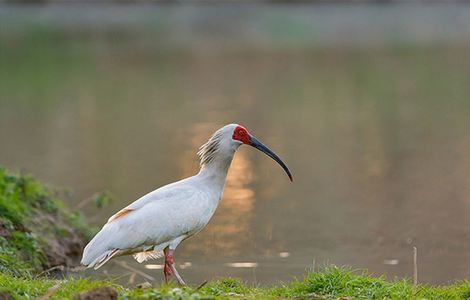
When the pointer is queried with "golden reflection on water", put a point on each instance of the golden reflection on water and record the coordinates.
(183, 266)
(228, 230)
(230, 225)
(241, 265)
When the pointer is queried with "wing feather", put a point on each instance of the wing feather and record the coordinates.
(167, 191)
(119, 214)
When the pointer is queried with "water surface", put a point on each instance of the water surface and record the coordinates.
(373, 122)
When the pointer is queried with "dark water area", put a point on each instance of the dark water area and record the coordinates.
(368, 105)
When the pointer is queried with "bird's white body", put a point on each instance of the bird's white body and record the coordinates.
(156, 223)
(168, 215)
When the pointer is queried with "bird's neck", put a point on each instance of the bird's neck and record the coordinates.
(215, 172)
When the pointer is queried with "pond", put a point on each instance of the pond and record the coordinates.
(368, 105)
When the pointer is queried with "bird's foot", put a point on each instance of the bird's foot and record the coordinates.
(178, 276)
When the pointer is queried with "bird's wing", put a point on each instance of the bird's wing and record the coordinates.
(157, 218)
(164, 192)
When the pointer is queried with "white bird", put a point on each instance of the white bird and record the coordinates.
(155, 224)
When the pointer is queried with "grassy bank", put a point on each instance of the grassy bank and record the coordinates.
(331, 283)
(37, 232)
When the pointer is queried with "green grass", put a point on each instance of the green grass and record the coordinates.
(330, 283)
(30, 288)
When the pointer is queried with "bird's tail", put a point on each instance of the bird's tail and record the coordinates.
(105, 257)
(100, 260)
(97, 252)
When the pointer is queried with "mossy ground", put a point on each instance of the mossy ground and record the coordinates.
(37, 232)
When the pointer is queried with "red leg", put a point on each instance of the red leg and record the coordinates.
(170, 268)
(168, 263)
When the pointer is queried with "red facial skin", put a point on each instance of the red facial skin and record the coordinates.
(242, 135)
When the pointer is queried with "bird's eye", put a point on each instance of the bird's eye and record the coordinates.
(241, 132)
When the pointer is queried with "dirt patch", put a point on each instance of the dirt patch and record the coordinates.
(103, 293)
(4, 232)
(5, 296)
(63, 244)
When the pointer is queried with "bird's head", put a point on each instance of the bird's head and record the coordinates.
(229, 138)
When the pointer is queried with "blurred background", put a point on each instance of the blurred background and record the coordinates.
(367, 103)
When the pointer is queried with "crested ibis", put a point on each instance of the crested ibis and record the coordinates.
(155, 224)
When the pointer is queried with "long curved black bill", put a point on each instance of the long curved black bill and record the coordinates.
(258, 145)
